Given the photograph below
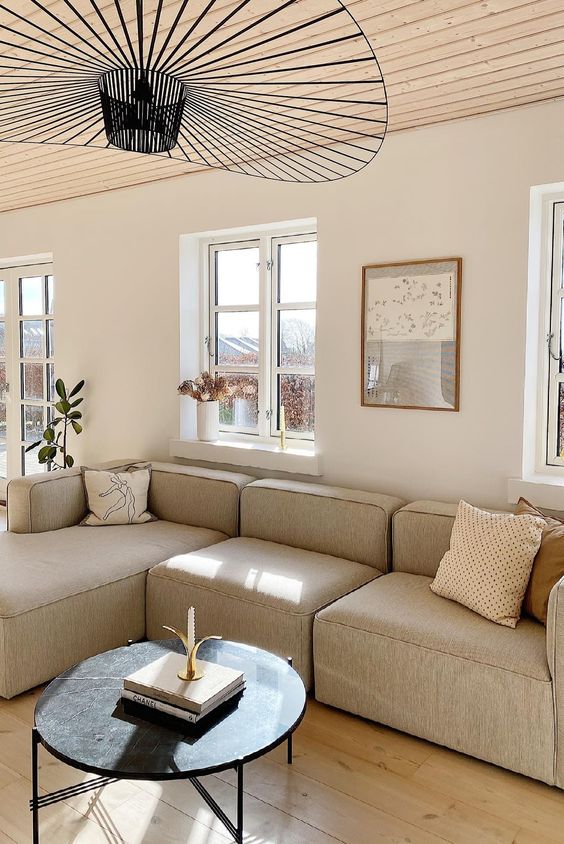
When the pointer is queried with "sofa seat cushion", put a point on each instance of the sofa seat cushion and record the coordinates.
(402, 606)
(259, 592)
(396, 653)
(277, 576)
(41, 568)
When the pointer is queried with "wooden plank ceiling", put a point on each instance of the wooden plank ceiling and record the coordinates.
(441, 60)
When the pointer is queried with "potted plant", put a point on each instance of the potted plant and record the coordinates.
(53, 444)
(208, 390)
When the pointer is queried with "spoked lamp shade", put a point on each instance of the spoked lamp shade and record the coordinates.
(281, 90)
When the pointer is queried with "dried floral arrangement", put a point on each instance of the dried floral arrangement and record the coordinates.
(206, 387)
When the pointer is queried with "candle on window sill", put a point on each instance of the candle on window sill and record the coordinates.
(282, 427)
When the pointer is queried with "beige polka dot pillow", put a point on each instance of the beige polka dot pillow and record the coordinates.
(489, 562)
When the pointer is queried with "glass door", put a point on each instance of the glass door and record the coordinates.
(26, 366)
(3, 388)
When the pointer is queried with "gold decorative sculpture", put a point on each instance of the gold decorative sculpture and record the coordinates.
(193, 671)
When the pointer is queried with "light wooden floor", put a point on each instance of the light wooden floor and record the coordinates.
(352, 781)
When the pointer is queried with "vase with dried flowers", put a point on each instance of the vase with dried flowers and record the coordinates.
(208, 390)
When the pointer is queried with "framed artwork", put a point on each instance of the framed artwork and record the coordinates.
(411, 334)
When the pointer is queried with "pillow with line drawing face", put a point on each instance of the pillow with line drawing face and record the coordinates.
(118, 497)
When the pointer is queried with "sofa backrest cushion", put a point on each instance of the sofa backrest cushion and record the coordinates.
(200, 497)
(182, 494)
(345, 523)
(421, 536)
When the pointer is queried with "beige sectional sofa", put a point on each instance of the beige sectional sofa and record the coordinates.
(335, 578)
(301, 546)
(68, 592)
(396, 653)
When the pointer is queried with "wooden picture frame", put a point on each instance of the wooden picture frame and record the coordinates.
(410, 334)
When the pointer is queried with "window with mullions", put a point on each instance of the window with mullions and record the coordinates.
(262, 300)
(36, 359)
(555, 344)
(27, 349)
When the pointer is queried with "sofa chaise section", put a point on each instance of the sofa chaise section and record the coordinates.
(69, 592)
(301, 547)
(398, 654)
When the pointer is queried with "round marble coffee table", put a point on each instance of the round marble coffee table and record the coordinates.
(80, 720)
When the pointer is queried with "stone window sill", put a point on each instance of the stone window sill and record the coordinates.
(541, 490)
(299, 458)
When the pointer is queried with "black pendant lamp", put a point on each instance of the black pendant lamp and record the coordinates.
(289, 91)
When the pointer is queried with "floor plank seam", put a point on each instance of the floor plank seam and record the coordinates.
(487, 811)
(415, 826)
(294, 817)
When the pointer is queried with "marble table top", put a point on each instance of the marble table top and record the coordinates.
(82, 721)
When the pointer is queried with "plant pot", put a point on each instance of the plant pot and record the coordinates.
(208, 420)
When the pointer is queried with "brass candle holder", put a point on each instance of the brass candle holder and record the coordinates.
(283, 427)
(188, 639)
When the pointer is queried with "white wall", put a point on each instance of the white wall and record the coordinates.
(459, 189)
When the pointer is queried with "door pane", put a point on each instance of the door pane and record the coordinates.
(237, 338)
(32, 381)
(240, 409)
(297, 394)
(2, 381)
(32, 338)
(3, 456)
(50, 338)
(30, 463)
(237, 276)
(2, 420)
(297, 338)
(2, 297)
(50, 294)
(560, 444)
(298, 271)
(33, 423)
(2, 338)
(51, 394)
(31, 296)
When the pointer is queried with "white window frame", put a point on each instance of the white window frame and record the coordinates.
(13, 319)
(554, 340)
(278, 306)
(267, 370)
(545, 297)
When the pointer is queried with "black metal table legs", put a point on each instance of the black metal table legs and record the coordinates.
(37, 802)
(290, 747)
(235, 830)
(34, 786)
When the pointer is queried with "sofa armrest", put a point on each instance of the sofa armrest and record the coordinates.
(555, 656)
(51, 500)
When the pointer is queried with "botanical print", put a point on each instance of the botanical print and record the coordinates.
(410, 344)
(126, 497)
(409, 307)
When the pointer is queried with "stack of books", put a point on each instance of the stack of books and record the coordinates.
(156, 688)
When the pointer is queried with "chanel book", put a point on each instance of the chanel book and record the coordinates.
(159, 681)
(142, 702)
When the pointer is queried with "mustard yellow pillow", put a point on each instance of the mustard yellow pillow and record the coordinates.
(548, 565)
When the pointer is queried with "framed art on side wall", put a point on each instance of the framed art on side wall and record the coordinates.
(411, 334)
